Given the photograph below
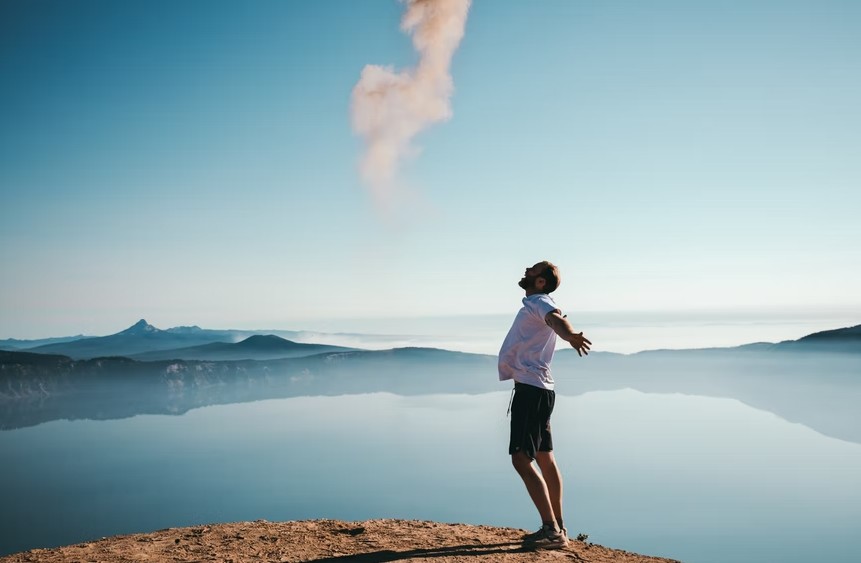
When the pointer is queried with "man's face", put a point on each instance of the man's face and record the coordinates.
(529, 277)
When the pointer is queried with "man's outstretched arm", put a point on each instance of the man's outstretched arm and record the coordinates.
(562, 327)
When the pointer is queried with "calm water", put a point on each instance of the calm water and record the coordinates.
(693, 478)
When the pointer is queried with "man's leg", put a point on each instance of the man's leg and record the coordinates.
(553, 481)
(535, 485)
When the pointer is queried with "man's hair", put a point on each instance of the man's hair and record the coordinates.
(550, 273)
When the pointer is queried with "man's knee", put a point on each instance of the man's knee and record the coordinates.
(521, 461)
(545, 460)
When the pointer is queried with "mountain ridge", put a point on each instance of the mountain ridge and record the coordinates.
(142, 338)
(255, 347)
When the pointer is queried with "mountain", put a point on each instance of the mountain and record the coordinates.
(16, 344)
(138, 338)
(143, 337)
(845, 340)
(802, 383)
(186, 329)
(842, 340)
(256, 347)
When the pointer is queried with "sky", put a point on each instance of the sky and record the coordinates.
(194, 162)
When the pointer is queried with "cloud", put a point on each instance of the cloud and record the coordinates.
(389, 107)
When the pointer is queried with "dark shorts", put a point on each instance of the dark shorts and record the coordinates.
(531, 408)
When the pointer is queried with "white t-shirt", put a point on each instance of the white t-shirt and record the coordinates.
(528, 348)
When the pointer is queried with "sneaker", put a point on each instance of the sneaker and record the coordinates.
(529, 538)
(547, 538)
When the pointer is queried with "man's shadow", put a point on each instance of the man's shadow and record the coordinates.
(467, 550)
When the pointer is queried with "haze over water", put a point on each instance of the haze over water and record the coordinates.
(610, 331)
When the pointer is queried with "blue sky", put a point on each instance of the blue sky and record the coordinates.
(193, 162)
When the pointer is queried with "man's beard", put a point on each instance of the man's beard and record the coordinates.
(527, 282)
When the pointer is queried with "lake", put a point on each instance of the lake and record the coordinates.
(700, 479)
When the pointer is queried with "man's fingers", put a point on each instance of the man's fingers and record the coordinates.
(581, 344)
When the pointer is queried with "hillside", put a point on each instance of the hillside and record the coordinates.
(838, 340)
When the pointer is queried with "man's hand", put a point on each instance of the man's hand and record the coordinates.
(562, 327)
(580, 343)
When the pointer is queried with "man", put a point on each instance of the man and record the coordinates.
(525, 357)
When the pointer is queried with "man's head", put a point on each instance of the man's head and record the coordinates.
(543, 277)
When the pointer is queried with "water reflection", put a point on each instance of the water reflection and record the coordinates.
(694, 478)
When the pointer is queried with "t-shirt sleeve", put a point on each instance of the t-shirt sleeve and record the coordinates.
(544, 305)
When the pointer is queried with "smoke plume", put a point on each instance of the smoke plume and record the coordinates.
(391, 107)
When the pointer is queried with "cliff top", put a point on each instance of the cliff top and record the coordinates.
(372, 541)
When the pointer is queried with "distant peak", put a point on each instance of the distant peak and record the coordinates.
(264, 338)
(267, 341)
(140, 327)
(185, 329)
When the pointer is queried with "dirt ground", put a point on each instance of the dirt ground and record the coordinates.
(372, 541)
